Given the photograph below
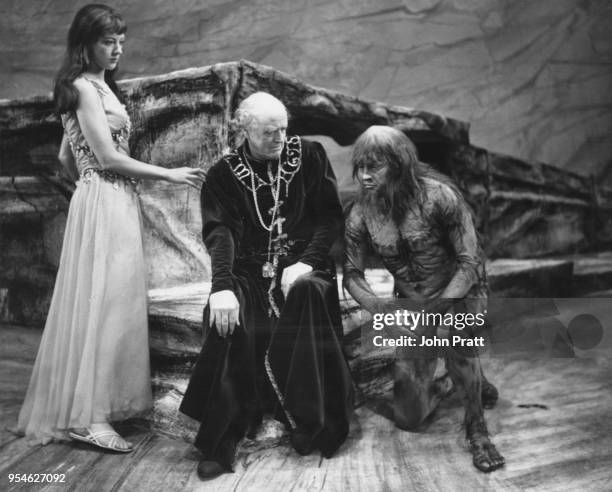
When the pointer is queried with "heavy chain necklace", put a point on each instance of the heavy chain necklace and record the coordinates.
(274, 188)
(269, 268)
(277, 239)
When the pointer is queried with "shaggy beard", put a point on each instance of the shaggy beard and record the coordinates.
(373, 199)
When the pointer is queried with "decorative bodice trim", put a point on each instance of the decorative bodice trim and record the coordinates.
(85, 150)
(114, 178)
(84, 156)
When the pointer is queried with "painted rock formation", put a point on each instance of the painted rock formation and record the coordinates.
(532, 77)
(182, 118)
(523, 209)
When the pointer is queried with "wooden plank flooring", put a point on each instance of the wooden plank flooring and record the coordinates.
(553, 424)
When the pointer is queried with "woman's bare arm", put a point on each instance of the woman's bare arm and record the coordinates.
(96, 131)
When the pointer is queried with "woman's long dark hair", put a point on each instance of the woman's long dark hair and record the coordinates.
(90, 23)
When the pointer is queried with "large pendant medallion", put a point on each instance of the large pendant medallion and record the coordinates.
(267, 270)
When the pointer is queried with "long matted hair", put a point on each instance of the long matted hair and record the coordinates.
(404, 181)
(90, 23)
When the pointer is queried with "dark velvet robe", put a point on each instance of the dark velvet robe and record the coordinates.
(292, 365)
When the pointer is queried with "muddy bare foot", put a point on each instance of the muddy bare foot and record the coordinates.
(484, 454)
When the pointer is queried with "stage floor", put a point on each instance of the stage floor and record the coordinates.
(553, 423)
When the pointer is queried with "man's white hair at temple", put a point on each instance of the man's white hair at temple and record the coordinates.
(254, 107)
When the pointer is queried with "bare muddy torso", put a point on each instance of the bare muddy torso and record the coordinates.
(425, 250)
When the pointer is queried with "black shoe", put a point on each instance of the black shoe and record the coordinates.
(302, 442)
(207, 470)
(253, 426)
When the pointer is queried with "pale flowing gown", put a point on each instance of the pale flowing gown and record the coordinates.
(93, 360)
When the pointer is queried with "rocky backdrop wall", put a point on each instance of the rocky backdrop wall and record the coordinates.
(522, 209)
(531, 76)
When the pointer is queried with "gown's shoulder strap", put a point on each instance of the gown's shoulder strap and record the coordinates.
(97, 85)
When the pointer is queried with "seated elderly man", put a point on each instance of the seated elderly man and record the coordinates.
(270, 213)
(417, 221)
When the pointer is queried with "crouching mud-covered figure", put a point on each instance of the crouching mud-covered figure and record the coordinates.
(270, 212)
(417, 221)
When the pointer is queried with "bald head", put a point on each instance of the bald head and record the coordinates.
(261, 104)
(263, 120)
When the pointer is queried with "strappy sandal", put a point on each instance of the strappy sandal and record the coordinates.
(93, 439)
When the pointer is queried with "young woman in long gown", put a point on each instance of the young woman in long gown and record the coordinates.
(92, 366)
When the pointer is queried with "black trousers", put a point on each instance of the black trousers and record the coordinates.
(292, 366)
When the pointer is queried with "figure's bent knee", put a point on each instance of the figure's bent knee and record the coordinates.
(306, 284)
(408, 405)
(407, 418)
